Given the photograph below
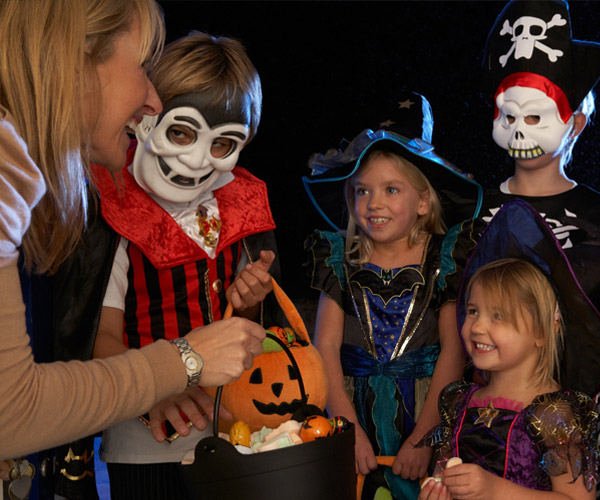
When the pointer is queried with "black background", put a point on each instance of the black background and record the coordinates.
(328, 68)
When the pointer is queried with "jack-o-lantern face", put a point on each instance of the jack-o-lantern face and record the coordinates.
(268, 394)
(272, 408)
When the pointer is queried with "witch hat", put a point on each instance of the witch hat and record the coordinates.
(406, 130)
(518, 231)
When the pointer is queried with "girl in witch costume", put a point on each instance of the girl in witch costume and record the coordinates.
(196, 232)
(378, 326)
(520, 430)
(539, 81)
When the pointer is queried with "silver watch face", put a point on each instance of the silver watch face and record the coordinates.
(191, 363)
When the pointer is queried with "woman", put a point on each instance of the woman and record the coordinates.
(72, 78)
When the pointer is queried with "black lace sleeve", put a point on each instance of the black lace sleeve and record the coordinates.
(451, 400)
(325, 263)
(456, 248)
(565, 425)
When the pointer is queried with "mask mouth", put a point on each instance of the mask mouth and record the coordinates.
(525, 154)
(180, 180)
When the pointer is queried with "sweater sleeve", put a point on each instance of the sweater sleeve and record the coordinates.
(43, 405)
(21, 187)
(39, 400)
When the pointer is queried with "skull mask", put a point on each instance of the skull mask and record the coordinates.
(183, 152)
(529, 123)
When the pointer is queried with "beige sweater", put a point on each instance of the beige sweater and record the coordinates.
(44, 405)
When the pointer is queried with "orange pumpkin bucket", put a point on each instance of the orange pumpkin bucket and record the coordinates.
(267, 394)
(318, 470)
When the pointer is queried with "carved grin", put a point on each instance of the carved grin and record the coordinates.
(280, 409)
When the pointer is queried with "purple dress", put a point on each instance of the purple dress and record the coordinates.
(524, 445)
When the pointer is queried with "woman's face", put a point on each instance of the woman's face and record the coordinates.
(126, 95)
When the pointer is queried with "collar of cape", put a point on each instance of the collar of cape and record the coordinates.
(243, 208)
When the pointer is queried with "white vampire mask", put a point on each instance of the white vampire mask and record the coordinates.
(181, 156)
(529, 123)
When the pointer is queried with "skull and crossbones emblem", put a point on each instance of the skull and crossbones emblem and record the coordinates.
(527, 33)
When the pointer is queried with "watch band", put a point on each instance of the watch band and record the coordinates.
(191, 359)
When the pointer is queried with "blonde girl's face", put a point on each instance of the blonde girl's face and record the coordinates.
(493, 343)
(126, 95)
(386, 205)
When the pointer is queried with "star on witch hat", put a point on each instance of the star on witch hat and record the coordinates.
(519, 231)
(406, 130)
(531, 45)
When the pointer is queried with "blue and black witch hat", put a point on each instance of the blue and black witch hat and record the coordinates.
(404, 128)
(519, 231)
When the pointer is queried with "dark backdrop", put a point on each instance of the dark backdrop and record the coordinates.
(326, 66)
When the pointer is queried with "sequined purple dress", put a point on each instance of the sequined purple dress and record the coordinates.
(524, 445)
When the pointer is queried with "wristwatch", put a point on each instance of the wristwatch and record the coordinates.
(191, 359)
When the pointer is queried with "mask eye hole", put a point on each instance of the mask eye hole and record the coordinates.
(532, 119)
(181, 135)
(222, 147)
(510, 119)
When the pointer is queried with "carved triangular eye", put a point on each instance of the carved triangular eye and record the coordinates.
(256, 376)
(292, 373)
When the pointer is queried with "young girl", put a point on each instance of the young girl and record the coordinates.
(386, 351)
(520, 435)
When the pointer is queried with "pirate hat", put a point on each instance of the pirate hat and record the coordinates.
(407, 132)
(518, 231)
(530, 45)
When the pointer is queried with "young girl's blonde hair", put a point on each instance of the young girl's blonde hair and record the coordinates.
(359, 245)
(220, 66)
(48, 56)
(516, 286)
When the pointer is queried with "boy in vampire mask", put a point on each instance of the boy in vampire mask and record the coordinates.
(196, 232)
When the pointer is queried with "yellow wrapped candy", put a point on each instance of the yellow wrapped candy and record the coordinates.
(239, 434)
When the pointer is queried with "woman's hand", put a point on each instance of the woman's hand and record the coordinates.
(194, 403)
(227, 348)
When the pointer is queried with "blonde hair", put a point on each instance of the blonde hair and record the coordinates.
(516, 286)
(220, 66)
(359, 245)
(48, 56)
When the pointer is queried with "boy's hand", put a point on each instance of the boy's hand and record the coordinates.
(252, 285)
